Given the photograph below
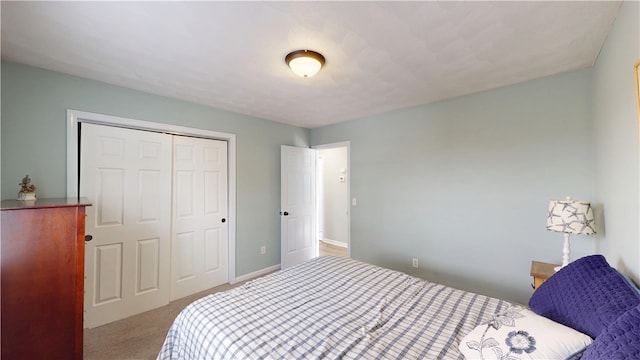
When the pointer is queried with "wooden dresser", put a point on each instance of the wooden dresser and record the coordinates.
(42, 278)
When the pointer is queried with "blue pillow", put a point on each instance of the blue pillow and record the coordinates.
(620, 340)
(587, 295)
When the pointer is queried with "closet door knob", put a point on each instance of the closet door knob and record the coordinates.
(223, 220)
(88, 237)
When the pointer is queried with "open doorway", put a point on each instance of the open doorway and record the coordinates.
(333, 193)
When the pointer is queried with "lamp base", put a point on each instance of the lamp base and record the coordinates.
(566, 248)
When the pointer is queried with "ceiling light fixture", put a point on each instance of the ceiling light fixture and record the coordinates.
(304, 63)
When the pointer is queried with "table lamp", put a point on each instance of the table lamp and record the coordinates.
(570, 217)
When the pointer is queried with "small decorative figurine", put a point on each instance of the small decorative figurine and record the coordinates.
(27, 189)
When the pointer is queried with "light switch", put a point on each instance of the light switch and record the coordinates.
(353, 202)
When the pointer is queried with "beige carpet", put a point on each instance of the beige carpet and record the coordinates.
(139, 336)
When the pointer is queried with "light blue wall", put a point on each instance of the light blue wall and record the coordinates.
(616, 140)
(34, 104)
(463, 185)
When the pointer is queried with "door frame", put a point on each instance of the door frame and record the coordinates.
(341, 144)
(74, 117)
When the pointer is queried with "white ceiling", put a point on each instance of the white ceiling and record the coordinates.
(380, 55)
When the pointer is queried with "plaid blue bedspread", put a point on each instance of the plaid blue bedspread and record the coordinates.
(329, 307)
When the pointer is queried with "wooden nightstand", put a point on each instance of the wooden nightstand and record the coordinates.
(541, 271)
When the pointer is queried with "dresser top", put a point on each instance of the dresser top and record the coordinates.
(43, 203)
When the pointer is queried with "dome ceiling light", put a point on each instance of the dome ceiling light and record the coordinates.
(304, 63)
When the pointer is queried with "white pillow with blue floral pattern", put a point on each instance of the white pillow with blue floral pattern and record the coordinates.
(518, 334)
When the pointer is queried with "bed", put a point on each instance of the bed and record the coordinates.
(339, 308)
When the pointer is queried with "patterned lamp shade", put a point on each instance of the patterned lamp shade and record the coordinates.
(571, 217)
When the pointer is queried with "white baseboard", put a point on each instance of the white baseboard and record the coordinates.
(335, 243)
(255, 274)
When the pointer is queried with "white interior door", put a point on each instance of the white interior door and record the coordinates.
(200, 227)
(126, 175)
(298, 204)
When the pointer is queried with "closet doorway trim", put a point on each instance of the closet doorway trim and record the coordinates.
(74, 117)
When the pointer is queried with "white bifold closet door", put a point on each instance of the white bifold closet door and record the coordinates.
(126, 174)
(137, 184)
(200, 247)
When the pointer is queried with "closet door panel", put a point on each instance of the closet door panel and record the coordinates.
(126, 174)
(200, 228)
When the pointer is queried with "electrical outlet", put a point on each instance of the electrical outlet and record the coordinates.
(263, 250)
(414, 262)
